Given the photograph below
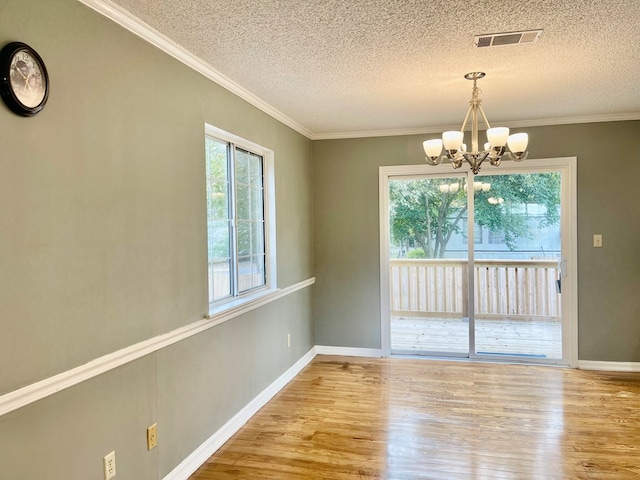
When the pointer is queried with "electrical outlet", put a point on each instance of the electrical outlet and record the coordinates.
(110, 466)
(288, 340)
(152, 436)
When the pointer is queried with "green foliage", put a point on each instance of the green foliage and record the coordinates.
(417, 253)
(518, 191)
(218, 199)
(249, 208)
(423, 214)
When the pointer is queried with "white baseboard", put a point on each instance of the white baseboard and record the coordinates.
(194, 461)
(348, 351)
(609, 366)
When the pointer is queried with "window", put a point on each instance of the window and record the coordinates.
(239, 210)
(497, 237)
(478, 232)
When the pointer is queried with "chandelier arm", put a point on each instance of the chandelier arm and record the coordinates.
(475, 160)
(456, 163)
(474, 129)
(433, 161)
(484, 117)
(518, 158)
(466, 119)
(497, 152)
(475, 166)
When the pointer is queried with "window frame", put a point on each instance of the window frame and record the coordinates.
(268, 173)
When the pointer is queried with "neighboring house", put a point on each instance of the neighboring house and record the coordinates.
(103, 253)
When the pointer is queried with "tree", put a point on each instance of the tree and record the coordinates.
(427, 212)
(218, 199)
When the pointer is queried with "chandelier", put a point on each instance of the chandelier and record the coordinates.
(494, 150)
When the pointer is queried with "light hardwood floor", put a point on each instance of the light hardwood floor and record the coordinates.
(405, 419)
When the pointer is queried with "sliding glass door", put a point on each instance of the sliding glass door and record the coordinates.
(476, 266)
(516, 265)
(428, 265)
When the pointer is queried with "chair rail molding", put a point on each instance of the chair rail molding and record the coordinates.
(36, 391)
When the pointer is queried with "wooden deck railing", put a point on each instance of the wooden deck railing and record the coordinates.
(503, 288)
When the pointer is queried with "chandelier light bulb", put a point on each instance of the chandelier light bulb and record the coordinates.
(432, 148)
(450, 188)
(518, 142)
(498, 136)
(452, 140)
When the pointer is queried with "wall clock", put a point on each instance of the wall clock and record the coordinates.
(24, 83)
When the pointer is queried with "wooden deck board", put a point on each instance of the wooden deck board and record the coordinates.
(538, 338)
(349, 418)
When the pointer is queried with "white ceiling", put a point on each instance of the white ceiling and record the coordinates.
(339, 68)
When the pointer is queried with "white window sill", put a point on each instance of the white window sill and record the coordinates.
(221, 313)
(243, 305)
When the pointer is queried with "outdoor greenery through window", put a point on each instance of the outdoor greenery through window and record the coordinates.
(516, 216)
(235, 220)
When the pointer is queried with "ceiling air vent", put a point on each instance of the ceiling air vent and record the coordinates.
(510, 38)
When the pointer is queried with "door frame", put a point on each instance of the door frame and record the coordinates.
(567, 166)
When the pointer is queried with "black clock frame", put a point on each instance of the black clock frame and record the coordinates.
(6, 92)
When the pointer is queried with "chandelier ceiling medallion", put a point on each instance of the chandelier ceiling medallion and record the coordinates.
(494, 150)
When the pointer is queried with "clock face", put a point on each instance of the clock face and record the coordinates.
(24, 83)
(27, 79)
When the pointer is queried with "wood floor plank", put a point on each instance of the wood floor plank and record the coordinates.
(346, 418)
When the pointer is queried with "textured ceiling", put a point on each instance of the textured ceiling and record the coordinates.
(354, 67)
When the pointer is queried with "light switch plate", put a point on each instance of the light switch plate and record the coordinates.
(152, 436)
(597, 240)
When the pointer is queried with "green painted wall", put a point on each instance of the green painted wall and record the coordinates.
(103, 245)
(347, 290)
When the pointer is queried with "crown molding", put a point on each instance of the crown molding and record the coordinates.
(621, 117)
(136, 26)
